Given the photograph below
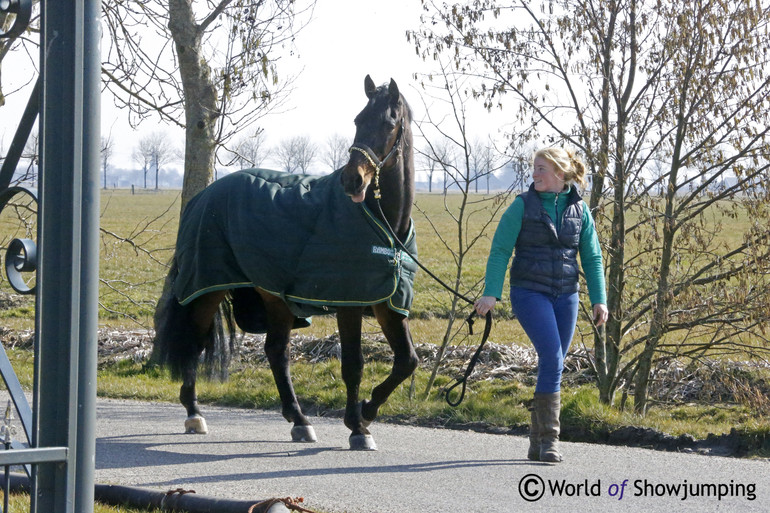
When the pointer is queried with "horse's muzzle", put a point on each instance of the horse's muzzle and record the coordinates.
(355, 180)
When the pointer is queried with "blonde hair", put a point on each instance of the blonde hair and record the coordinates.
(565, 161)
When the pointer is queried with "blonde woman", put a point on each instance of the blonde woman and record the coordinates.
(547, 227)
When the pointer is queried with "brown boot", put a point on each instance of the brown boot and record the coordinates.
(534, 435)
(548, 410)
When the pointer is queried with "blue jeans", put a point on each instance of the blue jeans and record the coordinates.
(549, 322)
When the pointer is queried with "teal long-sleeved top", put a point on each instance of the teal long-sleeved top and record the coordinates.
(507, 233)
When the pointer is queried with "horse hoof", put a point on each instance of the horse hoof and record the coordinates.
(362, 443)
(303, 434)
(195, 425)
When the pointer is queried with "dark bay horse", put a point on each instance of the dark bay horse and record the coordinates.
(380, 170)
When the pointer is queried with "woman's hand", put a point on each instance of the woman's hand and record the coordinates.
(485, 304)
(601, 314)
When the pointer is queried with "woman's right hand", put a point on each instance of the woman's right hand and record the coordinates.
(485, 304)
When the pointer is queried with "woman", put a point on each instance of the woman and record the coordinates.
(549, 225)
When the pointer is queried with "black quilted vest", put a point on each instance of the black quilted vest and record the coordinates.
(544, 260)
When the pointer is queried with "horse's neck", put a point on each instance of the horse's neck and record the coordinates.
(397, 188)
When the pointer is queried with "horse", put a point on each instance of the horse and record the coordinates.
(376, 185)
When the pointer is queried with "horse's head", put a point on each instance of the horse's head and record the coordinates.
(379, 131)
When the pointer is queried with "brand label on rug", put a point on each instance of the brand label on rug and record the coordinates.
(382, 250)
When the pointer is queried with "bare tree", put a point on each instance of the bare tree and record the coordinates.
(306, 153)
(521, 171)
(476, 162)
(251, 151)
(449, 146)
(153, 152)
(162, 152)
(630, 84)
(439, 158)
(286, 155)
(142, 155)
(431, 165)
(209, 67)
(108, 146)
(336, 151)
(486, 160)
(296, 154)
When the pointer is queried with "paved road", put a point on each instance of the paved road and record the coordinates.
(247, 456)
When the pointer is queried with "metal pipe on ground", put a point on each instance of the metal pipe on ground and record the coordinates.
(179, 501)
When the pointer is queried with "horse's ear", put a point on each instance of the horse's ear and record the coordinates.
(393, 91)
(369, 87)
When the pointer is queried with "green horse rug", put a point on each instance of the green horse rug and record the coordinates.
(298, 237)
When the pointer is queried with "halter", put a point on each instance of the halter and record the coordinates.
(376, 163)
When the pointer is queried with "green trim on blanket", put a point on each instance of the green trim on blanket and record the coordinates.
(214, 288)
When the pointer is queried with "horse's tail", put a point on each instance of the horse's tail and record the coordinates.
(178, 346)
(222, 343)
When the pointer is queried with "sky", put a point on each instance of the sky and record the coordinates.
(345, 41)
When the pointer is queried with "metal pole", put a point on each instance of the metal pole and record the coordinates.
(89, 260)
(65, 321)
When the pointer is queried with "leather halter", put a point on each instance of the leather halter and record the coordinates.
(376, 163)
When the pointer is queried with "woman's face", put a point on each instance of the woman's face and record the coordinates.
(545, 176)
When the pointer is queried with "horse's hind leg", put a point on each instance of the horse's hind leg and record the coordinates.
(280, 321)
(395, 327)
(199, 326)
(195, 423)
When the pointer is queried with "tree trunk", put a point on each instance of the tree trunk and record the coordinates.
(200, 100)
(606, 340)
(608, 349)
(659, 323)
(454, 310)
(441, 350)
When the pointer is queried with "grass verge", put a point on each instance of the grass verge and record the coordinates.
(492, 405)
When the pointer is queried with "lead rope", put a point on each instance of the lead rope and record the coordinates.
(488, 322)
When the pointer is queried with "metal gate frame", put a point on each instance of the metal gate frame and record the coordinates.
(60, 424)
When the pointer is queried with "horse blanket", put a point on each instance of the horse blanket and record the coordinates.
(296, 236)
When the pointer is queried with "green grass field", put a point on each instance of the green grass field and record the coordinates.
(137, 241)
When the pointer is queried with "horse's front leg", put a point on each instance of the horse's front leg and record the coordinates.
(352, 362)
(280, 321)
(395, 327)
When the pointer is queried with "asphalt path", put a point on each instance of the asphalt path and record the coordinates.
(247, 455)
